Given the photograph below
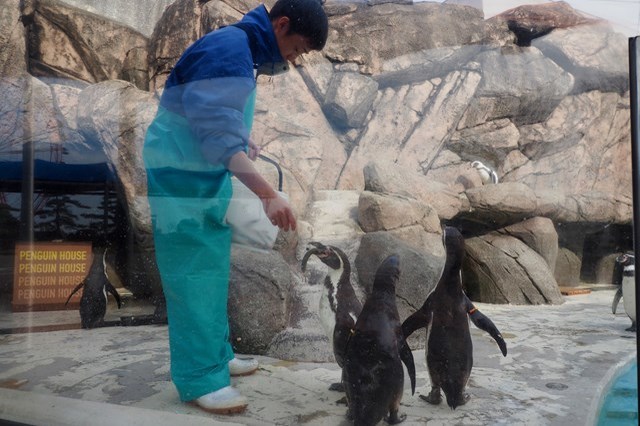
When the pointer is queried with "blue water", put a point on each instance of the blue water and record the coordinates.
(620, 405)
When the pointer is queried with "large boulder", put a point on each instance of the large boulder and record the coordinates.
(303, 143)
(178, 27)
(332, 218)
(500, 205)
(349, 98)
(353, 26)
(413, 142)
(567, 269)
(427, 64)
(576, 147)
(69, 43)
(605, 269)
(383, 178)
(12, 39)
(538, 233)
(379, 212)
(490, 142)
(595, 55)
(28, 114)
(502, 269)
(522, 85)
(420, 270)
(141, 15)
(410, 221)
(259, 289)
(530, 22)
(116, 114)
(182, 23)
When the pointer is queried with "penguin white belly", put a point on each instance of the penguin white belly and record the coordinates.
(327, 316)
(629, 296)
(485, 176)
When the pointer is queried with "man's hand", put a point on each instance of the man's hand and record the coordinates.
(279, 213)
(254, 150)
(277, 208)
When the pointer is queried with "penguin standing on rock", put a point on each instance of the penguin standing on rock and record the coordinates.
(445, 314)
(373, 373)
(487, 174)
(339, 305)
(93, 303)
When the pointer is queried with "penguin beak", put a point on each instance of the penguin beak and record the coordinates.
(320, 250)
(307, 255)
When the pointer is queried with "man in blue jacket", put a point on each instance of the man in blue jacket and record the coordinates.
(199, 137)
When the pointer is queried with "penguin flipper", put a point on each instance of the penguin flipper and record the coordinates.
(419, 319)
(74, 291)
(111, 289)
(616, 300)
(484, 323)
(407, 357)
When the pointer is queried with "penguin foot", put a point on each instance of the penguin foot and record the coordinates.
(433, 398)
(349, 414)
(338, 387)
(393, 418)
(464, 398)
(631, 328)
(342, 400)
(457, 400)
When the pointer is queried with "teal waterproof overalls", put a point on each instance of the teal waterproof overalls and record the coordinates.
(204, 118)
(188, 198)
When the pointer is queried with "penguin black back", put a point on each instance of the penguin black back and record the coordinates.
(93, 303)
(445, 314)
(373, 373)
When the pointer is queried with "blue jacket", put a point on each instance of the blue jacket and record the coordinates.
(213, 84)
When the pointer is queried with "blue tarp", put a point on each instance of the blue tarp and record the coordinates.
(58, 172)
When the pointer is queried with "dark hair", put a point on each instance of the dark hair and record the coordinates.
(307, 18)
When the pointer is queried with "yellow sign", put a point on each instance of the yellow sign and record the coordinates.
(46, 273)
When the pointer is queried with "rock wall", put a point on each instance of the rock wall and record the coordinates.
(141, 15)
(375, 136)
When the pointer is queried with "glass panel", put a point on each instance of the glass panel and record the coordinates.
(439, 213)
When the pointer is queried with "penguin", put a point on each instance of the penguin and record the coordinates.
(487, 174)
(617, 276)
(373, 373)
(339, 306)
(445, 314)
(624, 276)
(93, 303)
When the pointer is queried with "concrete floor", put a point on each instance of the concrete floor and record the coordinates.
(560, 359)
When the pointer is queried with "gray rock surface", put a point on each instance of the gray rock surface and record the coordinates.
(259, 295)
(561, 357)
(503, 269)
(141, 15)
(440, 88)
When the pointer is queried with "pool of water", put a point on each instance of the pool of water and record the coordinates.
(620, 403)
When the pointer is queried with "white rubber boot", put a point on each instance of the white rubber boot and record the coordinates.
(242, 367)
(223, 401)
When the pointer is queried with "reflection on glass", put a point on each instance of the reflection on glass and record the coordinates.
(378, 138)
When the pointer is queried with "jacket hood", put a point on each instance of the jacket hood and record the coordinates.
(262, 40)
